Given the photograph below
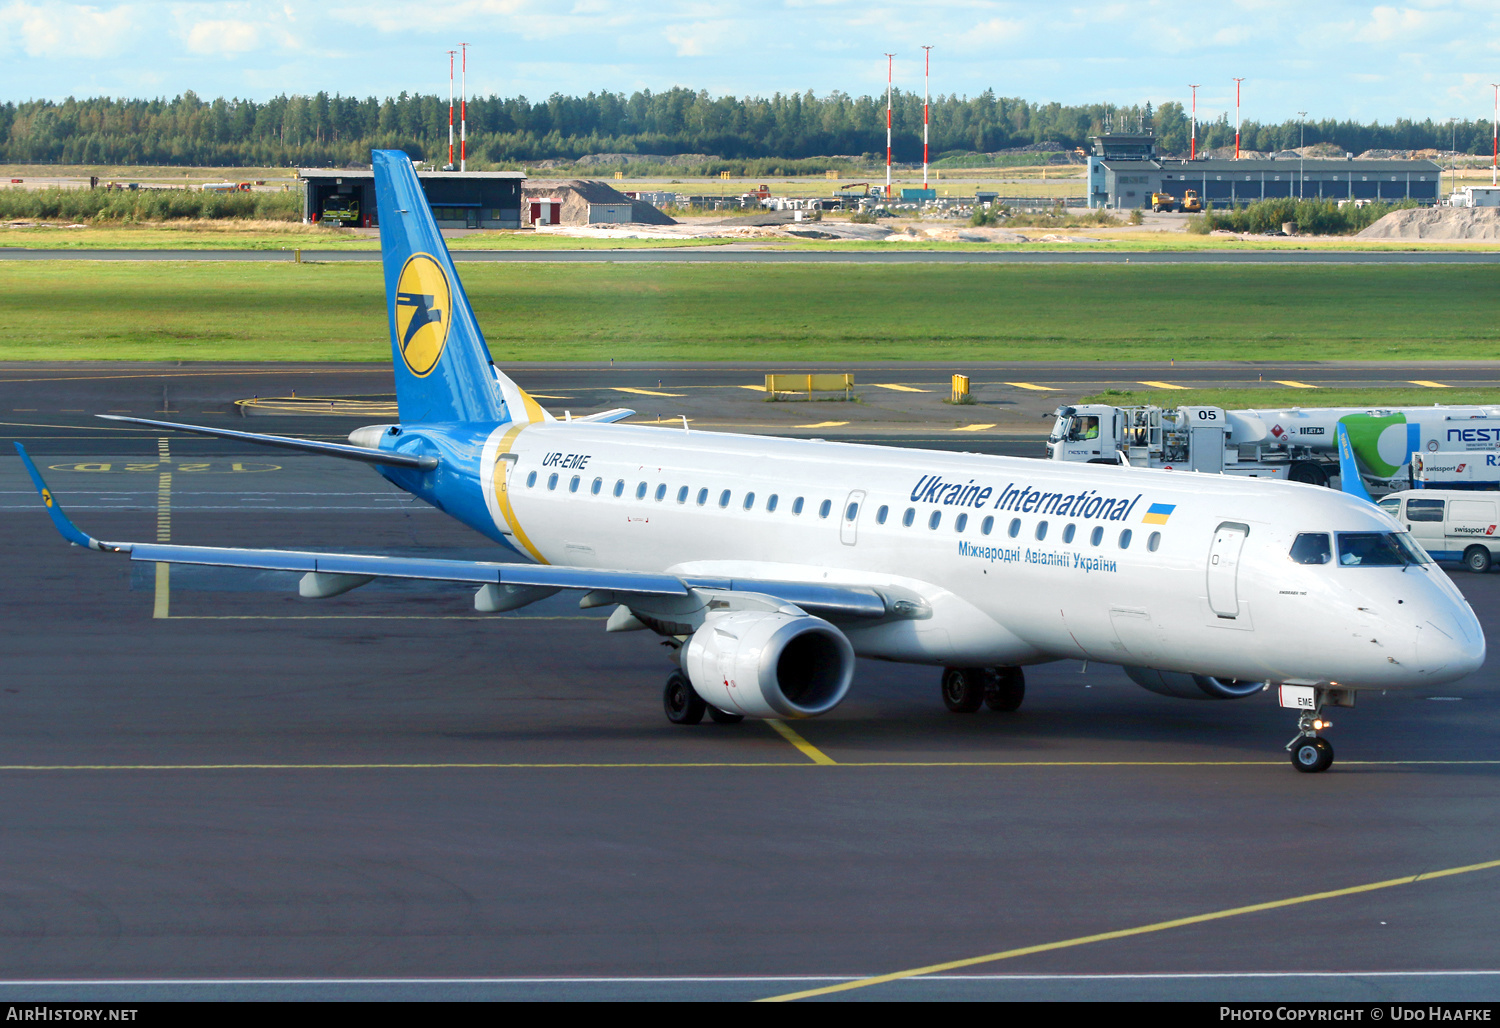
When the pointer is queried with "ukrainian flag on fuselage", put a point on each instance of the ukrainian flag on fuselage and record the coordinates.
(443, 368)
(1157, 513)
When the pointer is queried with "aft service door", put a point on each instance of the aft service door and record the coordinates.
(849, 517)
(1224, 568)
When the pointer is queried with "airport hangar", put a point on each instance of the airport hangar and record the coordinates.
(471, 199)
(1124, 170)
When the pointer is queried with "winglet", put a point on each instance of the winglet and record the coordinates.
(69, 530)
(1349, 480)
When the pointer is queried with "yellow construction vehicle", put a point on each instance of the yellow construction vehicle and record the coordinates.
(1190, 202)
(1163, 202)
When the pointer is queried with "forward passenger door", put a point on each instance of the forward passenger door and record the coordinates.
(1224, 568)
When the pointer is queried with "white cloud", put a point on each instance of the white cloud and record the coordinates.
(1388, 23)
(61, 30)
(223, 38)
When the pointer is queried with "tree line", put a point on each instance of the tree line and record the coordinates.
(324, 130)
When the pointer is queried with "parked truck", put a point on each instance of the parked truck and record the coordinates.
(1299, 444)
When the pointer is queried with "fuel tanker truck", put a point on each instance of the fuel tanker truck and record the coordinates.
(1299, 443)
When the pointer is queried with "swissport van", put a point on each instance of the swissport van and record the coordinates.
(1451, 524)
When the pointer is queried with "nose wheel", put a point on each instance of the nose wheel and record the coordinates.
(1310, 752)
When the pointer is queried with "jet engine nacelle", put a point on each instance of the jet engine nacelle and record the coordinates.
(769, 664)
(1184, 686)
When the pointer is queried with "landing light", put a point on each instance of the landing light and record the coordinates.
(1319, 724)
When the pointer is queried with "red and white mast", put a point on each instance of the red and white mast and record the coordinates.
(889, 59)
(1495, 160)
(1193, 152)
(463, 110)
(1237, 118)
(451, 54)
(926, 80)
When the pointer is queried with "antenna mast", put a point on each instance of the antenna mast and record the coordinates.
(1193, 152)
(926, 78)
(451, 54)
(889, 64)
(463, 111)
(1237, 118)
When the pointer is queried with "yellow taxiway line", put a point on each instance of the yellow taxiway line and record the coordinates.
(1294, 384)
(1161, 385)
(825, 424)
(1427, 383)
(898, 388)
(973, 428)
(1033, 387)
(645, 392)
(1125, 933)
(804, 747)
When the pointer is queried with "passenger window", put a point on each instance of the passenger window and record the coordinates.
(851, 512)
(702, 497)
(1312, 548)
(771, 503)
(824, 508)
(935, 520)
(749, 501)
(573, 485)
(881, 514)
(1041, 530)
(909, 516)
(1097, 535)
(1125, 539)
(552, 481)
(987, 525)
(531, 480)
(640, 491)
(620, 487)
(1068, 533)
(661, 492)
(724, 498)
(1424, 510)
(960, 523)
(1153, 542)
(682, 494)
(1015, 528)
(598, 484)
(797, 505)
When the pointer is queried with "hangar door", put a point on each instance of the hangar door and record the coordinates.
(1224, 568)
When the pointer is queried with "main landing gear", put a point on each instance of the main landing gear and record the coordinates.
(1311, 752)
(999, 688)
(685, 707)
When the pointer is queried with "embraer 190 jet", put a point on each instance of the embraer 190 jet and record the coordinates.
(768, 564)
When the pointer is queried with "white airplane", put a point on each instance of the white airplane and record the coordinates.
(769, 564)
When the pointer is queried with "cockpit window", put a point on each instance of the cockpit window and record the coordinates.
(1379, 549)
(1312, 548)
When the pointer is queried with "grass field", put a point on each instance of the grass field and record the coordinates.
(190, 311)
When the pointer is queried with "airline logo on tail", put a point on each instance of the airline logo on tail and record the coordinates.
(423, 313)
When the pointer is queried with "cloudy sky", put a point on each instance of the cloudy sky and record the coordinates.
(1329, 57)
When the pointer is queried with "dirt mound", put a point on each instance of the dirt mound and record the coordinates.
(1437, 223)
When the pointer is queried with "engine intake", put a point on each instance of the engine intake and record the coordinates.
(769, 664)
(1183, 686)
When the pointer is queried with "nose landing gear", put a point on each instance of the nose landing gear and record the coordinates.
(1311, 752)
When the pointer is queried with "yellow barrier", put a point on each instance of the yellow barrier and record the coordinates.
(960, 388)
(809, 384)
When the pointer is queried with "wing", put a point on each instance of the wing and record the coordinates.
(613, 586)
(345, 450)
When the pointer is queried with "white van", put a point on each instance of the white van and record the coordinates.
(1451, 524)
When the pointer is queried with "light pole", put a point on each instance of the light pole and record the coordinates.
(926, 78)
(1453, 151)
(889, 59)
(1301, 145)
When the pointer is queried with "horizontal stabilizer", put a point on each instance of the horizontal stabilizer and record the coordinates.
(344, 450)
(607, 417)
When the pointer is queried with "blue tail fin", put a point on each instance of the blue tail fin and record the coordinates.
(443, 368)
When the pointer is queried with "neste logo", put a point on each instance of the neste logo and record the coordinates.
(423, 313)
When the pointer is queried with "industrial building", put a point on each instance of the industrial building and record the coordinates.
(471, 199)
(585, 202)
(1124, 170)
